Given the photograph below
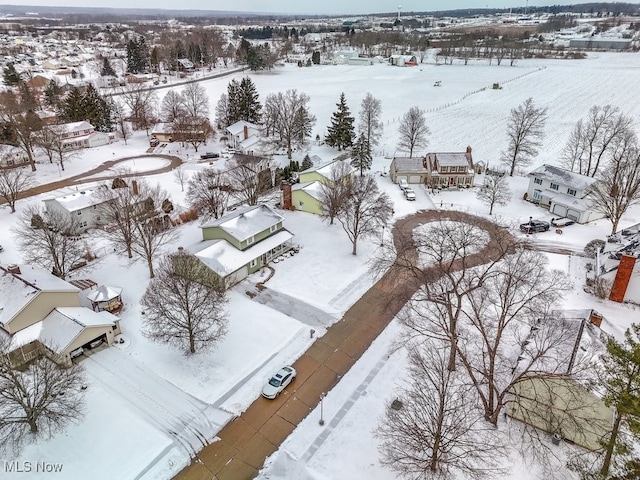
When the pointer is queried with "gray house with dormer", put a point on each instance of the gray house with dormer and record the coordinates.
(567, 194)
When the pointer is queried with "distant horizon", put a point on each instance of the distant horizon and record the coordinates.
(282, 7)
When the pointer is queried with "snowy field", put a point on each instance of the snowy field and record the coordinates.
(148, 406)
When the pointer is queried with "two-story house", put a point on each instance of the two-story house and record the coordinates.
(306, 195)
(12, 157)
(78, 135)
(80, 207)
(436, 170)
(240, 243)
(566, 193)
(41, 314)
(244, 137)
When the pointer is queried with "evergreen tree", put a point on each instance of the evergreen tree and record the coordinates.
(361, 154)
(154, 60)
(306, 162)
(341, 131)
(72, 107)
(107, 70)
(137, 55)
(243, 103)
(233, 102)
(98, 110)
(53, 95)
(315, 57)
(622, 392)
(10, 76)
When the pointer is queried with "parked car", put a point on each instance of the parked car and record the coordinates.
(278, 382)
(409, 194)
(208, 155)
(403, 184)
(533, 226)
(561, 222)
(154, 142)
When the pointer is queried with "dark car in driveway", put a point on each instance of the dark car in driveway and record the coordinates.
(533, 226)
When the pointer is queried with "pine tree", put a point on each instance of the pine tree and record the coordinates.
(98, 110)
(306, 162)
(361, 154)
(53, 95)
(107, 69)
(72, 107)
(10, 76)
(341, 131)
(250, 107)
(137, 55)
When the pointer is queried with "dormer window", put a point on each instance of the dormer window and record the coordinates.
(250, 240)
(554, 186)
(537, 181)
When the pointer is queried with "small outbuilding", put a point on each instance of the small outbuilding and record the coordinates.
(106, 299)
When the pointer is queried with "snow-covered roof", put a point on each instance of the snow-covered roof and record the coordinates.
(405, 164)
(325, 170)
(104, 293)
(162, 127)
(246, 222)
(238, 127)
(78, 200)
(73, 127)
(313, 189)
(61, 327)
(224, 259)
(563, 177)
(451, 159)
(19, 289)
(581, 204)
(249, 142)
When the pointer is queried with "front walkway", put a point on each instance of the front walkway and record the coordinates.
(249, 439)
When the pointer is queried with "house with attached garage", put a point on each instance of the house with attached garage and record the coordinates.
(79, 206)
(436, 170)
(78, 135)
(306, 195)
(41, 314)
(242, 242)
(565, 193)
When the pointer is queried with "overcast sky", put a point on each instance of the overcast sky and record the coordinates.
(307, 7)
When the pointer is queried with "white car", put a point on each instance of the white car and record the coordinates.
(278, 382)
(409, 194)
(402, 183)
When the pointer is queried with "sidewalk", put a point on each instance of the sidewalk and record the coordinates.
(245, 442)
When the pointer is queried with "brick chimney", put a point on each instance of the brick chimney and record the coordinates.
(246, 132)
(621, 282)
(468, 149)
(134, 187)
(286, 196)
(595, 318)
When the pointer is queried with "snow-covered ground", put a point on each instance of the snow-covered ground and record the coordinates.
(148, 405)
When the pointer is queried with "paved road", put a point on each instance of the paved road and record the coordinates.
(245, 442)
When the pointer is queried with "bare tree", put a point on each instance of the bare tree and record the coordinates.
(142, 103)
(39, 401)
(49, 239)
(195, 100)
(14, 181)
(618, 185)
(366, 211)
(494, 191)
(121, 120)
(413, 131)
(245, 183)
(181, 177)
(171, 106)
(50, 140)
(222, 111)
(525, 130)
(152, 228)
(436, 431)
(208, 193)
(192, 130)
(184, 304)
(592, 139)
(288, 119)
(369, 119)
(22, 121)
(336, 190)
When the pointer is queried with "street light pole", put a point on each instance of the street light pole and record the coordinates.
(321, 422)
(382, 238)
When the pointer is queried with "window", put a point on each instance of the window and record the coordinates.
(554, 186)
(250, 240)
(462, 169)
(273, 228)
(254, 262)
(444, 169)
(537, 181)
(537, 195)
(571, 191)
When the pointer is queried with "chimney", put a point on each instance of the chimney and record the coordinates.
(595, 318)
(623, 275)
(246, 132)
(13, 268)
(286, 196)
(468, 149)
(134, 187)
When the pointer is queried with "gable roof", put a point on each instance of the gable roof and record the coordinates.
(313, 189)
(238, 127)
(563, 177)
(246, 222)
(77, 200)
(406, 164)
(451, 159)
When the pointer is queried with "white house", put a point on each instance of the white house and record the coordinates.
(243, 135)
(11, 156)
(566, 193)
(81, 206)
(77, 135)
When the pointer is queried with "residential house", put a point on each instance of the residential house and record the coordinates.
(617, 263)
(163, 132)
(436, 170)
(184, 65)
(565, 193)
(41, 314)
(243, 136)
(12, 156)
(242, 242)
(554, 395)
(307, 194)
(78, 135)
(403, 60)
(81, 206)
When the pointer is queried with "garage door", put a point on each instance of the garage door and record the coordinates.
(414, 179)
(237, 276)
(401, 177)
(560, 210)
(573, 215)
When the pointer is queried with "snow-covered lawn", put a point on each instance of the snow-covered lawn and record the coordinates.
(314, 287)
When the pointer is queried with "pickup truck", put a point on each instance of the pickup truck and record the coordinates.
(208, 155)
